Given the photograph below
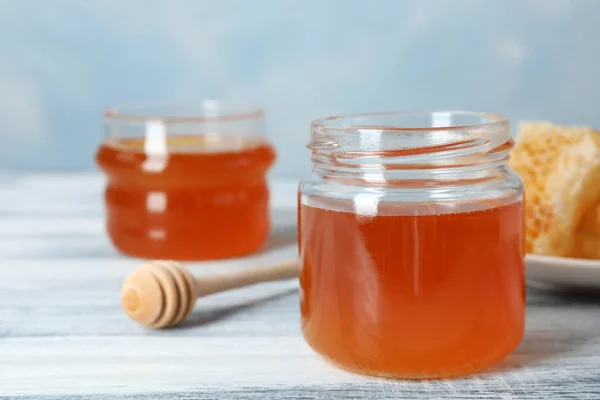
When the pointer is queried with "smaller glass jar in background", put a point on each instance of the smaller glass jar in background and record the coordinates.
(188, 182)
(411, 243)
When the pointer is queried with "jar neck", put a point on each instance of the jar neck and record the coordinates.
(471, 158)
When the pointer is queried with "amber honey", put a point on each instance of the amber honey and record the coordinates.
(407, 294)
(201, 197)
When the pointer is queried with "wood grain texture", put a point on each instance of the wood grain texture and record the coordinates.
(64, 336)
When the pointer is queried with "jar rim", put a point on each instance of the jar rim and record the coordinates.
(336, 122)
(177, 113)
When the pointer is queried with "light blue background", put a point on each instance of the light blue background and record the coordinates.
(63, 61)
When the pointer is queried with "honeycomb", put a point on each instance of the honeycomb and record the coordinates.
(587, 238)
(590, 223)
(560, 167)
(586, 246)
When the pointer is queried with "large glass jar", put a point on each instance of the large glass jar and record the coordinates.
(411, 243)
(186, 182)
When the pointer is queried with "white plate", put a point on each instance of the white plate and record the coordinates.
(563, 272)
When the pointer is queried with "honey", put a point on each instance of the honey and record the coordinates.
(202, 197)
(427, 294)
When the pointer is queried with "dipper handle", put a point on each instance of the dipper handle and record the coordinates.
(206, 285)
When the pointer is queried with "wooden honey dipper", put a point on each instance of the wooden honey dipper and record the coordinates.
(161, 294)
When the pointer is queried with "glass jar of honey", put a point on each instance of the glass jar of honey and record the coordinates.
(186, 183)
(411, 244)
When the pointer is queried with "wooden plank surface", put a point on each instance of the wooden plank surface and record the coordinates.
(63, 335)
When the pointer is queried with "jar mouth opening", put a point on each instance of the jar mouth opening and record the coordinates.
(185, 113)
(411, 121)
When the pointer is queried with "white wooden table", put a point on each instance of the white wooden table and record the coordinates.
(63, 335)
